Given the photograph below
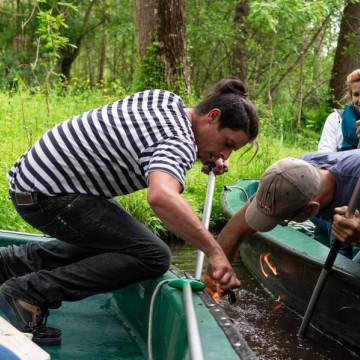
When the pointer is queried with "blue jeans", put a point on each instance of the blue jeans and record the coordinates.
(99, 247)
(325, 226)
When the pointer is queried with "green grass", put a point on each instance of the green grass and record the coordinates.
(24, 117)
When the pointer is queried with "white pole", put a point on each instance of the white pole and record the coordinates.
(193, 334)
(205, 220)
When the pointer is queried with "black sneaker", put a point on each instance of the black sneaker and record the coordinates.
(31, 319)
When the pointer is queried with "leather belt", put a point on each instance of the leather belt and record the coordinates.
(27, 198)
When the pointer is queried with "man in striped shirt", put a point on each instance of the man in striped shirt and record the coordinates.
(65, 184)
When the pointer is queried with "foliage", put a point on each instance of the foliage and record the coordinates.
(210, 33)
(49, 30)
(282, 38)
(150, 72)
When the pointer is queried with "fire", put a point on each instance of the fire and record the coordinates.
(264, 258)
(278, 303)
(214, 294)
(212, 288)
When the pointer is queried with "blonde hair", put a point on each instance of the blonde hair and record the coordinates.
(352, 78)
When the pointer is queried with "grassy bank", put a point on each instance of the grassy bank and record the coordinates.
(24, 117)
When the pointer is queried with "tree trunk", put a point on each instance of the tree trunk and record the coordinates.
(242, 30)
(102, 48)
(301, 98)
(102, 60)
(69, 54)
(161, 45)
(347, 57)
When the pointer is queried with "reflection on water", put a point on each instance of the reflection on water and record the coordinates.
(265, 323)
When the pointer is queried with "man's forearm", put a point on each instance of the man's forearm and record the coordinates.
(234, 233)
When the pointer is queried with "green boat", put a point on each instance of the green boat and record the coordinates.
(167, 318)
(288, 260)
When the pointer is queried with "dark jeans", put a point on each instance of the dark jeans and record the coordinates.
(99, 247)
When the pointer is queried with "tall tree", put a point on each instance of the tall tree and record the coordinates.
(347, 56)
(102, 50)
(161, 44)
(76, 35)
(241, 32)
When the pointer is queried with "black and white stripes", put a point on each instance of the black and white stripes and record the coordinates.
(110, 151)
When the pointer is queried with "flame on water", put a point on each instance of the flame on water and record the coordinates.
(268, 263)
(278, 304)
(261, 265)
(212, 288)
(264, 258)
(214, 294)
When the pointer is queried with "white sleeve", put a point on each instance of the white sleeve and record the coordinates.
(331, 136)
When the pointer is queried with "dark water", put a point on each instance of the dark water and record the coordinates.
(266, 324)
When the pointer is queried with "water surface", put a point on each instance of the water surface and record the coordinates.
(266, 324)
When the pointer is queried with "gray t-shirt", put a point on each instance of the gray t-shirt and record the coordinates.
(346, 168)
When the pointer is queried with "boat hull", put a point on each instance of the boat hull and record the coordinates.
(288, 263)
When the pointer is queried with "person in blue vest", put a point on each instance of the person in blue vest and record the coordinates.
(65, 186)
(351, 112)
(339, 131)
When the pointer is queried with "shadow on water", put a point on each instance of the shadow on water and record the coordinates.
(266, 324)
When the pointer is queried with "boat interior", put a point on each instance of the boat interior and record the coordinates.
(117, 325)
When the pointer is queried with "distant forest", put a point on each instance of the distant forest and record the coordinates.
(293, 55)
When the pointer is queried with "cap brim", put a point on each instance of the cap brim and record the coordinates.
(259, 221)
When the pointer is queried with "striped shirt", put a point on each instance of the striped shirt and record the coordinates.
(111, 150)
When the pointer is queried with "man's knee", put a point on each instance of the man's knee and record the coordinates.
(161, 260)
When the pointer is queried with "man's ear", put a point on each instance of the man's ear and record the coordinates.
(214, 114)
(312, 208)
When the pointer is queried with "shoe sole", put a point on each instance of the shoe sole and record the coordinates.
(7, 309)
(47, 341)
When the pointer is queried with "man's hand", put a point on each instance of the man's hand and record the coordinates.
(346, 229)
(222, 272)
(219, 167)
